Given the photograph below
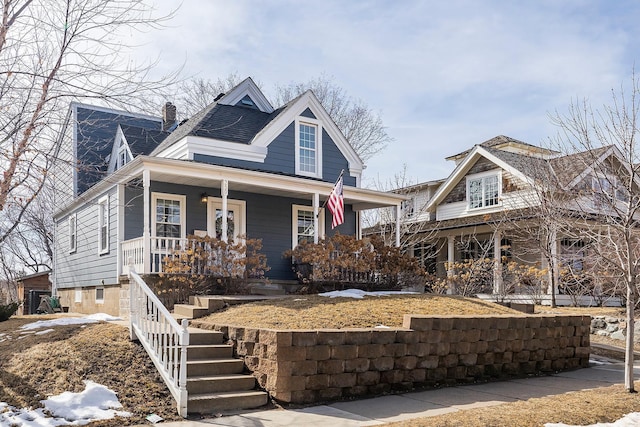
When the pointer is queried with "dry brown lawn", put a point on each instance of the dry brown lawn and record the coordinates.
(33, 367)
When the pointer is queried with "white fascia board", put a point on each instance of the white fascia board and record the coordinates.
(288, 116)
(226, 149)
(115, 148)
(247, 87)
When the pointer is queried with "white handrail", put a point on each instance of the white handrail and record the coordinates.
(160, 334)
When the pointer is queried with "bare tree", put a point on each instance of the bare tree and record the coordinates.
(52, 53)
(607, 197)
(361, 126)
(197, 93)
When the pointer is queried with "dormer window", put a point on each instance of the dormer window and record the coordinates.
(308, 147)
(123, 155)
(606, 187)
(483, 190)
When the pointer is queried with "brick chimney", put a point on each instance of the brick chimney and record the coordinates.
(168, 115)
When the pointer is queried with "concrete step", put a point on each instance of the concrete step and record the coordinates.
(211, 403)
(267, 290)
(220, 383)
(204, 367)
(190, 311)
(203, 337)
(210, 351)
(210, 302)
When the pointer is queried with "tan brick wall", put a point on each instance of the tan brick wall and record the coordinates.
(300, 366)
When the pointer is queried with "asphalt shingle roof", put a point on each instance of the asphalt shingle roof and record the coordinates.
(142, 141)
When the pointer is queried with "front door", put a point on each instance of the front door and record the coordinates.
(235, 219)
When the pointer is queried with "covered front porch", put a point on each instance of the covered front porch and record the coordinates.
(164, 201)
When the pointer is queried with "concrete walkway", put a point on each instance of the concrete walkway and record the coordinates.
(380, 410)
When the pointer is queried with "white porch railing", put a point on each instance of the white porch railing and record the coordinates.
(160, 334)
(133, 252)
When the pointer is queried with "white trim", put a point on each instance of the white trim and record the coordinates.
(247, 87)
(214, 203)
(482, 175)
(182, 199)
(73, 219)
(294, 222)
(226, 149)
(99, 300)
(317, 125)
(103, 203)
(77, 298)
(120, 202)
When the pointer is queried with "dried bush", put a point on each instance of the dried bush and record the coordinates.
(343, 260)
(209, 266)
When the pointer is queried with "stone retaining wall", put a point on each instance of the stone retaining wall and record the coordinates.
(307, 366)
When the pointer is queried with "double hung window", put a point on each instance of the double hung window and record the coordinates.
(103, 225)
(483, 191)
(308, 147)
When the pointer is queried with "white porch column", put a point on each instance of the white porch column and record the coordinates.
(498, 285)
(398, 214)
(316, 212)
(451, 258)
(146, 232)
(224, 192)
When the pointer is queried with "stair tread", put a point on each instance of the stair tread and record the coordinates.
(220, 377)
(216, 360)
(226, 394)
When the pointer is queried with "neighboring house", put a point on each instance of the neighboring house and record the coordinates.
(142, 184)
(30, 288)
(488, 199)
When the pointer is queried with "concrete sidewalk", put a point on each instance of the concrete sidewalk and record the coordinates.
(380, 410)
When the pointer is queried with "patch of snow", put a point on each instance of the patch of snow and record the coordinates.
(46, 331)
(357, 293)
(381, 327)
(629, 420)
(65, 321)
(96, 402)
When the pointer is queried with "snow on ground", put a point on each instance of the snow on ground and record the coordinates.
(96, 402)
(629, 420)
(63, 321)
(357, 293)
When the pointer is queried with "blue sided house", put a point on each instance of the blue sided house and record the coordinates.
(131, 187)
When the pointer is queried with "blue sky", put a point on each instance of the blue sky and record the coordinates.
(445, 75)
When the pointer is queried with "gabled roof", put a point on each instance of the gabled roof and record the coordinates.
(508, 144)
(142, 141)
(498, 157)
(572, 168)
(229, 121)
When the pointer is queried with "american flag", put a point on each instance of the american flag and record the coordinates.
(335, 204)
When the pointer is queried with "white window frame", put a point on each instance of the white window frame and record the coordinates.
(100, 300)
(294, 222)
(182, 199)
(615, 190)
(73, 233)
(103, 224)
(318, 150)
(123, 149)
(483, 176)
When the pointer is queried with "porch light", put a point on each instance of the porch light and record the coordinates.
(204, 197)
